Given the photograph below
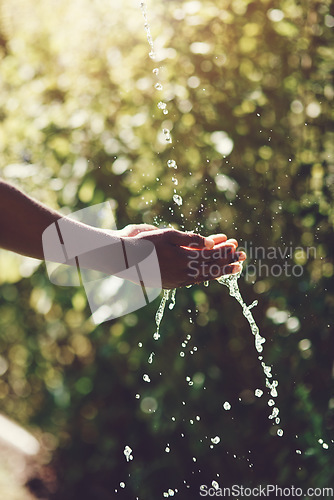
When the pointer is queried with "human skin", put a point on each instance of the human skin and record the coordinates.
(24, 219)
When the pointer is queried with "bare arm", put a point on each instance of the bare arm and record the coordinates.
(22, 221)
(184, 258)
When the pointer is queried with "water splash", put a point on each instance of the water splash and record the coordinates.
(172, 299)
(160, 313)
(231, 281)
(168, 295)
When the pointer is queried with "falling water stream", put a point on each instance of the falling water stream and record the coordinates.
(230, 281)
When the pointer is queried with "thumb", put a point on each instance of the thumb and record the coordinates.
(192, 240)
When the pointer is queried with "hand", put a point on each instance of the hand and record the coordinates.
(188, 258)
(132, 230)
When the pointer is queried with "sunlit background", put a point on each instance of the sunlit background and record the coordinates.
(242, 105)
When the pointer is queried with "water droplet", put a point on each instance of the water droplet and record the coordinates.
(155, 71)
(175, 181)
(158, 86)
(279, 432)
(258, 393)
(226, 405)
(128, 453)
(171, 164)
(150, 359)
(215, 485)
(146, 378)
(215, 440)
(122, 485)
(178, 199)
(162, 105)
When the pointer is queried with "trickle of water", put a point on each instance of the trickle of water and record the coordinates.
(172, 299)
(160, 313)
(231, 281)
(148, 30)
(177, 199)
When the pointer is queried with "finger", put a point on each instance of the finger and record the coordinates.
(241, 256)
(229, 242)
(218, 238)
(218, 252)
(191, 240)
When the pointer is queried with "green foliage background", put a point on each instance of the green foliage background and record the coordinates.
(80, 124)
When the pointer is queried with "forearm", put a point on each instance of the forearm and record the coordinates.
(23, 221)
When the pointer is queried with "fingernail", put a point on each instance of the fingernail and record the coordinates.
(209, 243)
